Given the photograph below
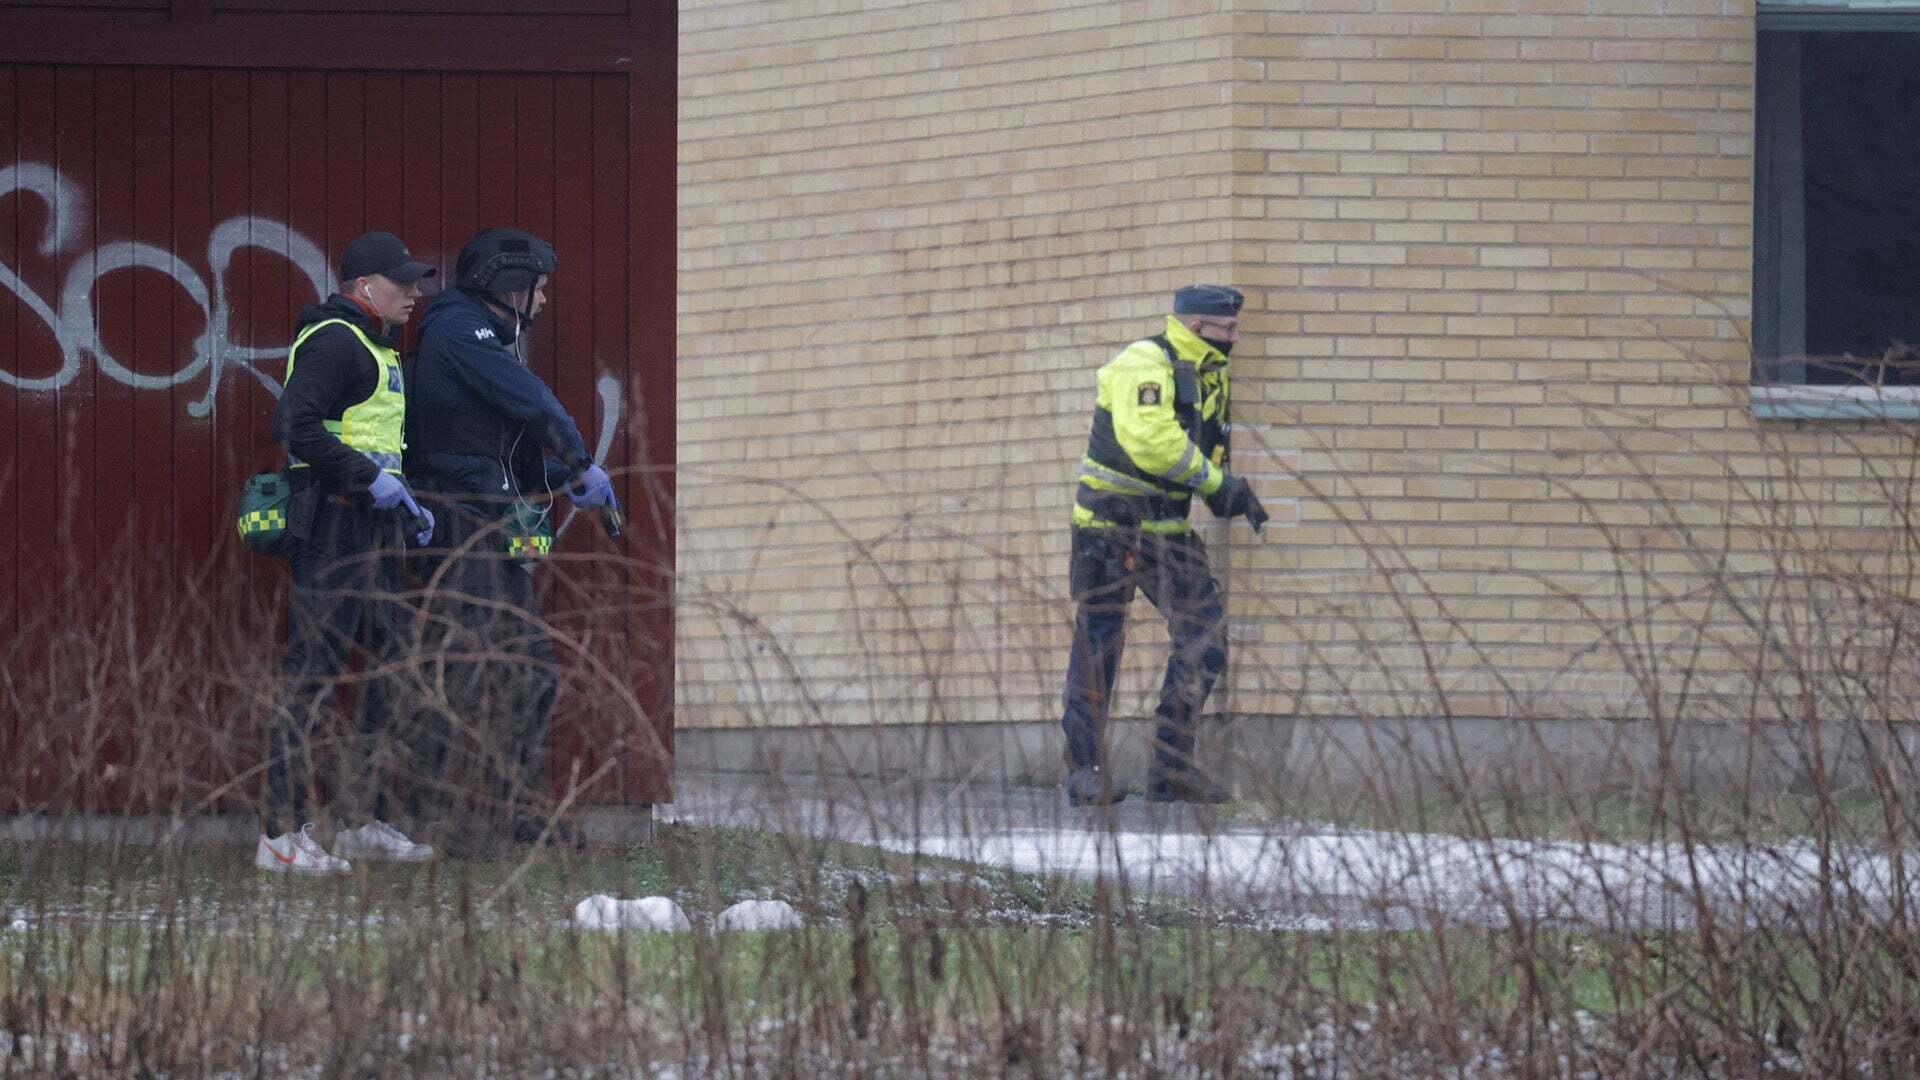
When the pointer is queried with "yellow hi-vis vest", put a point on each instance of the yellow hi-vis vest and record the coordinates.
(376, 426)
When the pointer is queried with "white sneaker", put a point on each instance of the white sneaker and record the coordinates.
(297, 853)
(380, 842)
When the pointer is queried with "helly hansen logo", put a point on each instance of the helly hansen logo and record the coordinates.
(1150, 393)
(482, 334)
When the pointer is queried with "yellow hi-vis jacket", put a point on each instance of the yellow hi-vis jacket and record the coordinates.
(1159, 434)
(376, 426)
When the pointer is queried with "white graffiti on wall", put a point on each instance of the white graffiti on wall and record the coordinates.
(75, 323)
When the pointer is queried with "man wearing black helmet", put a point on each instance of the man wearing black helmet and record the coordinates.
(489, 443)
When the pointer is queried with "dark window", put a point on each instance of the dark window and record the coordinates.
(1837, 207)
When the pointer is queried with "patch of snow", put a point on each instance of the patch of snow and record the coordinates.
(760, 915)
(1645, 882)
(656, 914)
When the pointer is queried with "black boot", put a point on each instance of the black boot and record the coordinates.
(1091, 785)
(1184, 785)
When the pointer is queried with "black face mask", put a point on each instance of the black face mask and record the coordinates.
(1225, 347)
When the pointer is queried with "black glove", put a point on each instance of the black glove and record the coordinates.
(1231, 499)
(1236, 499)
(1256, 514)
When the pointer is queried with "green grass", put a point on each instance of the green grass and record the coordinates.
(702, 868)
(143, 915)
(192, 961)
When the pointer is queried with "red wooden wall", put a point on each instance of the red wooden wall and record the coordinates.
(178, 178)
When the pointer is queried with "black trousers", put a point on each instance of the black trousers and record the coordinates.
(486, 642)
(1108, 565)
(344, 611)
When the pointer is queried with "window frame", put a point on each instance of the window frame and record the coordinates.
(1800, 401)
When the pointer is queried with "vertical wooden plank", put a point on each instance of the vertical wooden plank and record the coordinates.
(345, 166)
(606, 268)
(575, 291)
(78, 115)
(156, 350)
(239, 396)
(380, 140)
(459, 164)
(625, 105)
(276, 132)
(105, 444)
(565, 334)
(186, 750)
(13, 230)
(498, 136)
(104, 467)
(106, 447)
(382, 136)
(307, 175)
(154, 346)
(300, 196)
(531, 159)
(236, 422)
(15, 242)
(652, 96)
(420, 201)
(382, 129)
(72, 152)
(42, 564)
(195, 497)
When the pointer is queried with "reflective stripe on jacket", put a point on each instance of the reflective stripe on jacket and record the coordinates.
(375, 427)
(1159, 434)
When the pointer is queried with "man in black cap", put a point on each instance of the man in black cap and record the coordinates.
(342, 418)
(1159, 437)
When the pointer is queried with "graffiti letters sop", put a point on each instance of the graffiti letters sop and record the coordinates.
(77, 330)
(75, 326)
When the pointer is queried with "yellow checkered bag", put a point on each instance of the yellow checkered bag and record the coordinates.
(262, 517)
(529, 537)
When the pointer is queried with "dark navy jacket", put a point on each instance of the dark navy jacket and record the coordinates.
(478, 420)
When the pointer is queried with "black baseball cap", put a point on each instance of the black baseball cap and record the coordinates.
(382, 253)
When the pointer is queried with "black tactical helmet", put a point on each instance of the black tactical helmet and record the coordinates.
(503, 260)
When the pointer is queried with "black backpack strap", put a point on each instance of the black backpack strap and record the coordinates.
(1186, 380)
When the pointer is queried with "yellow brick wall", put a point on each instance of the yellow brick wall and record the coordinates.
(1497, 254)
(908, 235)
(1497, 242)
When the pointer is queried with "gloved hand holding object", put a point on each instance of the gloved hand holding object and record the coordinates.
(1256, 514)
(389, 491)
(591, 487)
(422, 526)
(1235, 498)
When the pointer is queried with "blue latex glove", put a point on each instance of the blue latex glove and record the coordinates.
(425, 535)
(389, 491)
(386, 490)
(591, 488)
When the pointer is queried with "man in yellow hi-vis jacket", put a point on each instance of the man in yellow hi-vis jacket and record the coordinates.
(1159, 437)
(342, 419)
